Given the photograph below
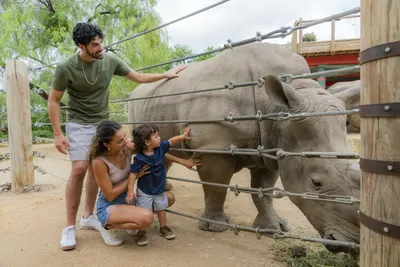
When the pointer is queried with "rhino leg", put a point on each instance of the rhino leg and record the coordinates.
(217, 169)
(266, 217)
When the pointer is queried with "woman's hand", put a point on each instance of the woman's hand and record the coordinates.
(143, 171)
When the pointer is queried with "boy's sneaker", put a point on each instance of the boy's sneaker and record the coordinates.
(142, 238)
(110, 237)
(132, 232)
(166, 232)
(90, 223)
(68, 240)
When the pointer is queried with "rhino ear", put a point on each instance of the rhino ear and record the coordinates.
(350, 96)
(281, 94)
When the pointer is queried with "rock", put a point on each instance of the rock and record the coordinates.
(298, 252)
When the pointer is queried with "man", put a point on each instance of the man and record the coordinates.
(86, 77)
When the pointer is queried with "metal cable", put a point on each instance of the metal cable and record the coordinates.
(43, 171)
(328, 73)
(259, 116)
(275, 233)
(276, 192)
(279, 33)
(5, 169)
(4, 156)
(44, 155)
(150, 30)
(169, 23)
(229, 86)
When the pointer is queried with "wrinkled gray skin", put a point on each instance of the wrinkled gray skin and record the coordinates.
(247, 63)
(354, 87)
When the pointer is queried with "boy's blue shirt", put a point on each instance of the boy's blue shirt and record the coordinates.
(154, 182)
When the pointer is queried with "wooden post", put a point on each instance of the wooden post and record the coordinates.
(300, 46)
(19, 124)
(380, 136)
(293, 43)
(333, 34)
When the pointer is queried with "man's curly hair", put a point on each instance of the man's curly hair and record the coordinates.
(83, 33)
(142, 134)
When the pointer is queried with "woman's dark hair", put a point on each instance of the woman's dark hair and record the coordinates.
(141, 134)
(83, 33)
(104, 134)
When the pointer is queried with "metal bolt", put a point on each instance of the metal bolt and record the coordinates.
(387, 49)
(386, 230)
(387, 107)
(390, 168)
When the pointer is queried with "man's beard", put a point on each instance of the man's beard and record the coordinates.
(97, 55)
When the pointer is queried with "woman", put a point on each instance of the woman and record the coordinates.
(110, 156)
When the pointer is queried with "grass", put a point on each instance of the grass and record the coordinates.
(315, 256)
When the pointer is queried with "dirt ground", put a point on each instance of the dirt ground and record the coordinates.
(31, 224)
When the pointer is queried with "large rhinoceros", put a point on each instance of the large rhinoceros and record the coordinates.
(351, 88)
(298, 175)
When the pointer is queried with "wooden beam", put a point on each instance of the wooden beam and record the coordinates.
(380, 83)
(19, 124)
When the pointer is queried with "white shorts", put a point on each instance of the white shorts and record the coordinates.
(150, 202)
(79, 138)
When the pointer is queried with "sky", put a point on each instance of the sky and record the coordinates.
(241, 19)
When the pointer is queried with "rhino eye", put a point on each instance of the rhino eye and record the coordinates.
(317, 184)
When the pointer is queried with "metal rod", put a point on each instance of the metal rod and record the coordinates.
(223, 87)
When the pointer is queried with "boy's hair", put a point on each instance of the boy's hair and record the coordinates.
(141, 134)
(83, 33)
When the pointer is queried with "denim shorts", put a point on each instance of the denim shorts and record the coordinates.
(150, 202)
(104, 207)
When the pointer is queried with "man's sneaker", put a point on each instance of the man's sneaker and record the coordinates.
(132, 232)
(110, 237)
(68, 240)
(142, 238)
(166, 232)
(90, 223)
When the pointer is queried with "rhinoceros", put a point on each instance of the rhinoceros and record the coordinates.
(328, 133)
(351, 88)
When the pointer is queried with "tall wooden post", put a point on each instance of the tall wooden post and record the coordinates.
(380, 133)
(19, 124)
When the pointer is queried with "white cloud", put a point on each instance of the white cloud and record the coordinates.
(241, 19)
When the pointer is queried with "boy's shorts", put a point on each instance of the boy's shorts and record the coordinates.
(150, 202)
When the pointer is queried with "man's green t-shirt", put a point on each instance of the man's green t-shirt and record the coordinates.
(87, 99)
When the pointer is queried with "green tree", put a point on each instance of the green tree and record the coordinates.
(309, 37)
(39, 33)
(205, 57)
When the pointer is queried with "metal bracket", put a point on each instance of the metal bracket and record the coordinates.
(380, 166)
(380, 51)
(380, 110)
(379, 227)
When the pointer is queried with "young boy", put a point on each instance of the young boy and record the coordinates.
(151, 187)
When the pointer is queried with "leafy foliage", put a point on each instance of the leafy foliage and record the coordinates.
(39, 32)
(309, 37)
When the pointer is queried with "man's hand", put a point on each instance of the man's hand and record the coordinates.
(174, 73)
(61, 143)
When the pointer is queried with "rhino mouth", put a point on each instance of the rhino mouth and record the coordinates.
(337, 248)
